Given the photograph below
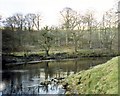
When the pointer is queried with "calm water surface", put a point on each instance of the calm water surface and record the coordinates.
(29, 79)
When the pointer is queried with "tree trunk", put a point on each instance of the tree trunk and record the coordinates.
(47, 52)
(66, 38)
(75, 45)
(75, 42)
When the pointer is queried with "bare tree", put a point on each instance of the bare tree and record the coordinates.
(10, 23)
(69, 20)
(19, 19)
(81, 30)
(108, 29)
(29, 18)
(91, 23)
(14, 22)
(37, 21)
(46, 39)
(33, 21)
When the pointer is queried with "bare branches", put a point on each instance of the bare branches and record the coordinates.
(20, 22)
(69, 18)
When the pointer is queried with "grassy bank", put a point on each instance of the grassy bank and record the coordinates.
(18, 57)
(102, 79)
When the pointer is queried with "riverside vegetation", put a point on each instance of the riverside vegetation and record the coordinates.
(78, 35)
(101, 79)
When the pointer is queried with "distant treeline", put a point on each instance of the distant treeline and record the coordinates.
(24, 33)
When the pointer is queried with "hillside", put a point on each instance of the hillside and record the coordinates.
(101, 79)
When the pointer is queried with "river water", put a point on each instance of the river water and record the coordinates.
(44, 77)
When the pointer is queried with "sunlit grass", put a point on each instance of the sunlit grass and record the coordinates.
(102, 79)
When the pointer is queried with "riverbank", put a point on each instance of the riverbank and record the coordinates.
(101, 79)
(33, 57)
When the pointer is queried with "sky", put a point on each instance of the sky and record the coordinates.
(50, 9)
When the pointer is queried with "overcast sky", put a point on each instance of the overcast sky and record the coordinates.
(50, 9)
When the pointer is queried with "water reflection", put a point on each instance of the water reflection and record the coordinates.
(44, 78)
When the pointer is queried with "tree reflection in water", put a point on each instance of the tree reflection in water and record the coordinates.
(20, 81)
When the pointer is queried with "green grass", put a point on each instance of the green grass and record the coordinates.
(70, 52)
(101, 79)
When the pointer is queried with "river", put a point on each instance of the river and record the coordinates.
(44, 77)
